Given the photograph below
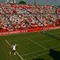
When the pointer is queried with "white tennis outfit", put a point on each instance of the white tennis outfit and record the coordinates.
(13, 47)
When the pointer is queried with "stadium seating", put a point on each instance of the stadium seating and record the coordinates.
(17, 17)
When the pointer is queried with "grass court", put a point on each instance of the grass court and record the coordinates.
(30, 45)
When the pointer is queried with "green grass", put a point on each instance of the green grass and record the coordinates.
(30, 45)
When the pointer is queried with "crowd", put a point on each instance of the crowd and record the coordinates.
(16, 17)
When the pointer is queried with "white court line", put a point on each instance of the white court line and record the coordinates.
(37, 55)
(37, 43)
(16, 51)
(35, 52)
(41, 54)
(40, 50)
(46, 41)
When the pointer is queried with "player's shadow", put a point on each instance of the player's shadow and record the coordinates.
(54, 54)
(38, 58)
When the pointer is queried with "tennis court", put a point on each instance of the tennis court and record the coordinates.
(30, 45)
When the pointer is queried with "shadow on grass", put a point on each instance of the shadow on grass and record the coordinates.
(54, 54)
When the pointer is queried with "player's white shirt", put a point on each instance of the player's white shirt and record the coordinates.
(13, 47)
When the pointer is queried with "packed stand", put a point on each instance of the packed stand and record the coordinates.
(17, 17)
